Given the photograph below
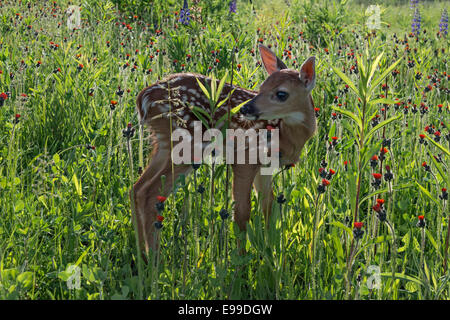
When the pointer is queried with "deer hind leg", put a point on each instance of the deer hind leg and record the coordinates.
(158, 161)
(147, 189)
(263, 184)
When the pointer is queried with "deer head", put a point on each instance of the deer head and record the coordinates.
(285, 94)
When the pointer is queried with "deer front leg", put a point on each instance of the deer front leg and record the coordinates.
(243, 176)
(263, 184)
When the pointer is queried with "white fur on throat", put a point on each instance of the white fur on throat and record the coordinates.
(294, 118)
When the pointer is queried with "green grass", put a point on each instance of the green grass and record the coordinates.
(65, 205)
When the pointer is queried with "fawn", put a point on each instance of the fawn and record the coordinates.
(284, 102)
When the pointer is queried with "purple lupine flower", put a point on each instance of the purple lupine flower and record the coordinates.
(233, 6)
(443, 25)
(416, 22)
(414, 3)
(184, 14)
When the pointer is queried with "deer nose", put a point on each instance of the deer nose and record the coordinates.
(248, 108)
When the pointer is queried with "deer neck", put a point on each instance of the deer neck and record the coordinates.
(296, 131)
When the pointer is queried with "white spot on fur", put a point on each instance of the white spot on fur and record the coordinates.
(154, 103)
(194, 92)
(206, 101)
(274, 122)
(172, 81)
(164, 107)
(145, 106)
(258, 125)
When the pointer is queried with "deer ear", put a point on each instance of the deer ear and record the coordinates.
(308, 73)
(271, 62)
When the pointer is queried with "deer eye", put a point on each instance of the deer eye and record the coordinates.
(282, 95)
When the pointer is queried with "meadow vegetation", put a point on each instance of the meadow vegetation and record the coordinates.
(363, 215)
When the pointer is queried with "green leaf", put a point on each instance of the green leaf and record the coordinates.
(352, 180)
(82, 256)
(406, 239)
(232, 111)
(221, 102)
(438, 145)
(201, 118)
(368, 150)
(383, 75)
(350, 115)
(362, 69)
(19, 206)
(382, 100)
(332, 131)
(202, 111)
(439, 168)
(338, 249)
(56, 158)
(432, 241)
(401, 277)
(397, 187)
(343, 227)
(77, 184)
(26, 279)
(97, 74)
(381, 125)
(355, 133)
(220, 87)
(427, 193)
(346, 80)
(373, 68)
(205, 91)
(213, 89)
(412, 287)
(236, 109)
(425, 268)
(308, 192)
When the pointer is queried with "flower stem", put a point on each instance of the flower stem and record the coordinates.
(133, 212)
(446, 245)
(316, 218)
(394, 251)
